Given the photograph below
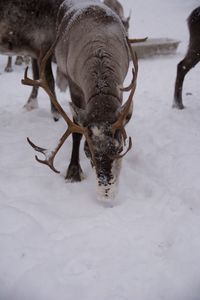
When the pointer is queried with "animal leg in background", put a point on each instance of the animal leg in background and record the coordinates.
(32, 100)
(51, 83)
(19, 60)
(190, 60)
(192, 57)
(8, 67)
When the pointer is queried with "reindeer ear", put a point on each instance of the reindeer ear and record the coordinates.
(78, 113)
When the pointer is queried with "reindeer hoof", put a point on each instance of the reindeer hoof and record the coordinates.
(74, 173)
(19, 60)
(31, 104)
(178, 105)
(56, 116)
(8, 69)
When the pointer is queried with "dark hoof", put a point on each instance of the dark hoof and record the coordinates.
(56, 116)
(8, 69)
(178, 105)
(74, 173)
(19, 61)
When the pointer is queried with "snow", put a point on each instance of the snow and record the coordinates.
(56, 240)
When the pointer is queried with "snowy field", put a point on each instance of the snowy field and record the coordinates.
(57, 242)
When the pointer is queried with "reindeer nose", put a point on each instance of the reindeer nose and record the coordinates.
(103, 178)
(106, 190)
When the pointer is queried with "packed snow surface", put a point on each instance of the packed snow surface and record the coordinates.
(57, 242)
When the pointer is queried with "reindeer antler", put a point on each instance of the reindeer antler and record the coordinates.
(49, 158)
(122, 155)
(140, 40)
(119, 124)
(72, 127)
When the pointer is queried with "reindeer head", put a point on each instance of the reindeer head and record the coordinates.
(107, 138)
(107, 158)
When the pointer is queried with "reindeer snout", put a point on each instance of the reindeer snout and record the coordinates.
(106, 185)
(106, 192)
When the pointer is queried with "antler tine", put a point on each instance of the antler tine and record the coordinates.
(130, 13)
(134, 70)
(128, 88)
(132, 86)
(132, 41)
(119, 123)
(28, 81)
(49, 154)
(49, 159)
(134, 58)
(127, 150)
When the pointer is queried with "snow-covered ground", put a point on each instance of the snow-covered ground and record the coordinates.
(56, 241)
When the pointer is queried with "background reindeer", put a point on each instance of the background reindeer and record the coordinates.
(28, 28)
(192, 56)
(118, 9)
(93, 54)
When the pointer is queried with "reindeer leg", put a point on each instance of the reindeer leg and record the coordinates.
(32, 100)
(74, 171)
(51, 83)
(19, 60)
(8, 67)
(190, 60)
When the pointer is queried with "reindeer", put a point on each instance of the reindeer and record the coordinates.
(192, 56)
(118, 8)
(28, 28)
(92, 52)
